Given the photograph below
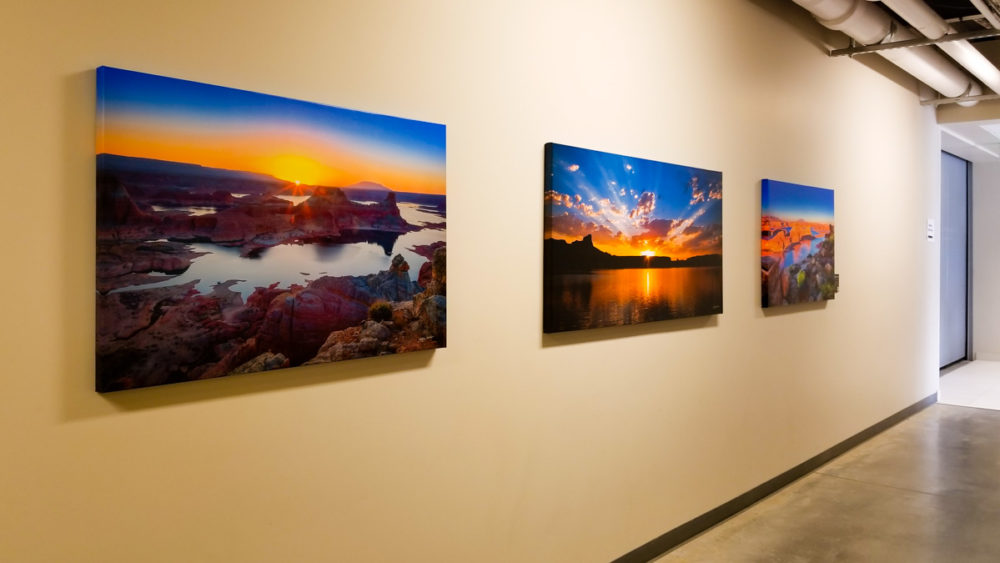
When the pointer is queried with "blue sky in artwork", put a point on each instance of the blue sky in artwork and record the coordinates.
(795, 201)
(150, 116)
(136, 92)
(630, 204)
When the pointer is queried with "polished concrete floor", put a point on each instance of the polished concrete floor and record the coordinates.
(926, 490)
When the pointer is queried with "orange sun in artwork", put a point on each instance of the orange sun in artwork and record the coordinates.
(647, 253)
(296, 168)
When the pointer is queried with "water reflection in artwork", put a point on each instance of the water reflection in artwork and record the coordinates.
(631, 296)
(239, 232)
(628, 240)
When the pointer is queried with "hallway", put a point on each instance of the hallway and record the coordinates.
(926, 490)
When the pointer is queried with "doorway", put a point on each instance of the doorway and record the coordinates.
(954, 229)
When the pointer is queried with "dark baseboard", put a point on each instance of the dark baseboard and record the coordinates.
(686, 531)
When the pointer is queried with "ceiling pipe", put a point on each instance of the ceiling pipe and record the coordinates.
(988, 12)
(918, 14)
(868, 24)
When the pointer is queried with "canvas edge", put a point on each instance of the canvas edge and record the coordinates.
(765, 184)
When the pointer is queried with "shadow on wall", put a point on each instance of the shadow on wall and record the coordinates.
(627, 331)
(235, 385)
(795, 308)
(76, 339)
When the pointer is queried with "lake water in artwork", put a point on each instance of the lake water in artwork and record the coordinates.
(797, 244)
(802, 250)
(289, 264)
(630, 296)
(628, 240)
(239, 232)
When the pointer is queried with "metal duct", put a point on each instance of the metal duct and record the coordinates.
(868, 24)
(924, 19)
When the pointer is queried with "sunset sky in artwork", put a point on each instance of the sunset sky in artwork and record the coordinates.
(633, 206)
(149, 116)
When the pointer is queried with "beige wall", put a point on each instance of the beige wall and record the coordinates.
(508, 445)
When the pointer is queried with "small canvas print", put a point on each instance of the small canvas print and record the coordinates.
(239, 232)
(796, 244)
(628, 240)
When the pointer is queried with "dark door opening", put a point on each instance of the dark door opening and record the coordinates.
(954, 232)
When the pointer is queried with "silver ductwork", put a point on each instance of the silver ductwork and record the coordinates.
(925, 20)
(868, 24)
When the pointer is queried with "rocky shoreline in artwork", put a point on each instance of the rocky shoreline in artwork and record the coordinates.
(251, 223)
(169, 334)
(810, 279)
(581, 256)
(156, 335)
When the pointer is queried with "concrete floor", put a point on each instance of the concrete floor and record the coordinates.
(926, 490)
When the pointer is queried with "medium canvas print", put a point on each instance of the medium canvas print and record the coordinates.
(796, 244)
(628, 240)
(239, 232)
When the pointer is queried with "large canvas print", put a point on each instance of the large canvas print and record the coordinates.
(796, 244)
(628, 240)
(239, 232)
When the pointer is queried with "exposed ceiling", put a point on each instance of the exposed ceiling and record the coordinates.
(949, 9)
(956, 52)
(978, 140)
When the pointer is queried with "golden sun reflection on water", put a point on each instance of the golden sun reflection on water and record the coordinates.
(636, 295)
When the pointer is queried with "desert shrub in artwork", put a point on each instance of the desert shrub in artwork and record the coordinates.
(380, 311)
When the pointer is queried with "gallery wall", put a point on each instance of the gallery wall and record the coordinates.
(507, 445)
(985, 263)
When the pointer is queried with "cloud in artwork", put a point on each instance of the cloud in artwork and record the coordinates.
(568, 226)
(606, 205)
(677, 238)
(555, 198)
(715, 190)
(701, 194)
(659, 227)
(576, 203)
(644, 206)
(704, 239)
(588, 210)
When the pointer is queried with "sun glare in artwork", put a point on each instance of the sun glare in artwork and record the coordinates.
(240, 232)
(628, 240)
